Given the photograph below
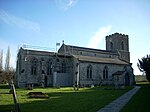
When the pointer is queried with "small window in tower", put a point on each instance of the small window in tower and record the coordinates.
(80, 53)
(22, 71)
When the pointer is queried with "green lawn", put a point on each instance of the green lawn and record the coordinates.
(61, 100)
(140, 102)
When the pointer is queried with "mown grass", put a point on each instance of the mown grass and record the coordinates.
(60, 100)
(140, 102)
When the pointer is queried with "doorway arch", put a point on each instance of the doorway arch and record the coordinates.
(127, 79)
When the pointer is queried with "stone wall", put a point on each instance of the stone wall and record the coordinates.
(97, 73)
(57, 63)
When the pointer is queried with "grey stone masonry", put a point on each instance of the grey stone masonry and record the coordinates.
(75, 65)
(119, 103)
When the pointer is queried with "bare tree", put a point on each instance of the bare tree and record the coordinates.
(7, 66)
(1, 60)
(1, 66)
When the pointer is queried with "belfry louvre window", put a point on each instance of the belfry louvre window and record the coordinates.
(34, 66)
(111, 46)
(105, 73)
(89, 72)
(122, 45)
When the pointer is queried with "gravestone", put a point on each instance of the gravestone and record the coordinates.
(29, 86)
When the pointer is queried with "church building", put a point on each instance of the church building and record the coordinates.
(74, 65)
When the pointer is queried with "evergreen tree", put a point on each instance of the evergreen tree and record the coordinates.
(144, 66)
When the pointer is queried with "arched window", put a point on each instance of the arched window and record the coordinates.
(49, 67)
(89, 72)
(34, 66)
(105, 73)
(63, 67)
(122, 45)
(111, 46)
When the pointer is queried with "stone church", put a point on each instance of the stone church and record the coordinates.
(74, 65)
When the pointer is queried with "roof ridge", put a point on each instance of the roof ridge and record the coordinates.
(90, 48)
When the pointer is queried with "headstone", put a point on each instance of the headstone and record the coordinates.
(92, 86)
(29, 86)
(42, 85)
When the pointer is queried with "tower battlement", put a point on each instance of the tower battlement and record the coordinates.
(117, 35)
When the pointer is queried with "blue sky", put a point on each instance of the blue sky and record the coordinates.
(77, 22)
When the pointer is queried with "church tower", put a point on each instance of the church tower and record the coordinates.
(119, 43)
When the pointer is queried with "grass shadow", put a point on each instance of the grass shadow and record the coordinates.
(66, 100)
(6, 108)
(5, 93)
(4, 86)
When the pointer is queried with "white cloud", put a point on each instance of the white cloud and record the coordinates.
(96, 39)
(22, 23)
(65, 4)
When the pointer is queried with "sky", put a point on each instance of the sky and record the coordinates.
(41, 24)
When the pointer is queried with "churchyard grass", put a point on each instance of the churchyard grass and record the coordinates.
(60, 100)
(140, 102)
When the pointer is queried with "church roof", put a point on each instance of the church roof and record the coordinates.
(100, 60)
(90, 49)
